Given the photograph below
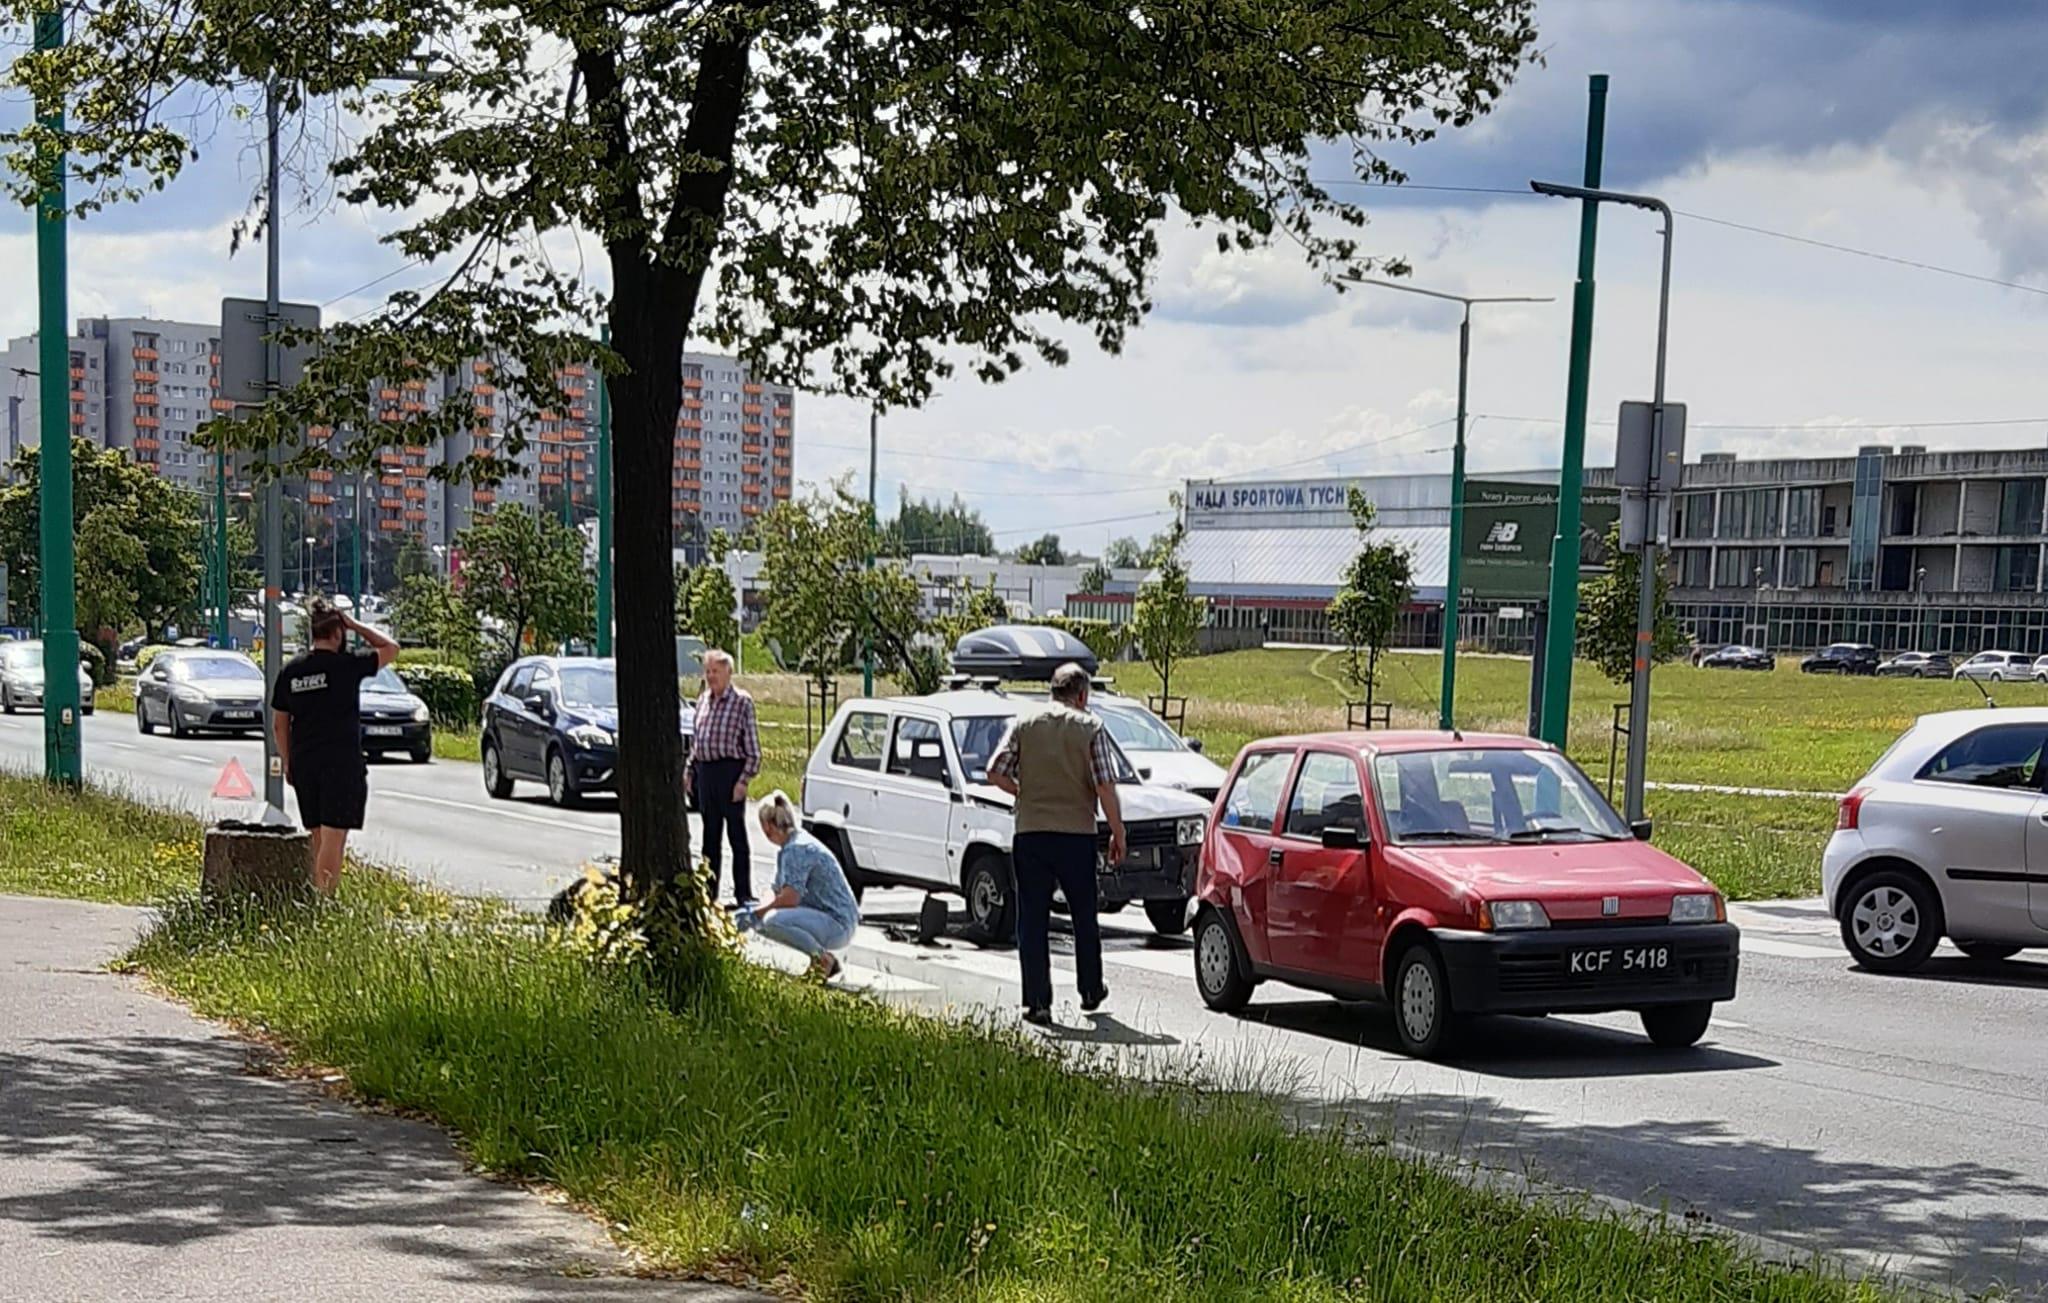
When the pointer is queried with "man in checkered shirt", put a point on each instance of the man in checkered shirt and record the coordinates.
(1060, 765)
(724, 757)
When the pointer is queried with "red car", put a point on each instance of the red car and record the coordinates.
(1450, 874)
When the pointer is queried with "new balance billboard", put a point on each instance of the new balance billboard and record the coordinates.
(1508, 528)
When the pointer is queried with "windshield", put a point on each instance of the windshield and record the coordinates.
(1137, 729)
(387, 680)
(976, 738)
(24, 656)
(1491, 795)
(215, 669)
(590, 687)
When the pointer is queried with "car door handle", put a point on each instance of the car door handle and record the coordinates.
(1275, 856)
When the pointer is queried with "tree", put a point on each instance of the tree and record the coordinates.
(951, 529)
(1378, 582)
(974, 606)
(1042, 551)
(413, 559)
(999, 178)
(712, 608)
(430, 611)
(1166, 621)
(1095, 579)
(1123, 554)
(137, 542)
(524, 574)
(823, 598)
(1607, 614)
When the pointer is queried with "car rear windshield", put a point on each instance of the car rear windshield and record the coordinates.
(590, 687)
(1491, 795)
(215, 669)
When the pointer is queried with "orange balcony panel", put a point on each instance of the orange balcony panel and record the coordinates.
(750, 387)
(483, 389)
(146, 445)
(146, 400)
(551, 459)
(547, 478)
(692, 382)
(391, 524)
(751, 490)
(750, 409)
(417, 386)
(694, 445)
(223, 405)
(689, 423)
(751, 449)
(320, 475)
(482, 497)
(575, 413)
(392, 481)
(415, 515)
(78, 418)
(389, 393)
(782, 413)
(411, 406)
(214, 358)
(693, 404)
(575, 369)
(749, 509)
(391, 457)
(415, 494)
(320, 499)
(480, 368)
(144, 354)
(145, 377)
(417, 472)
(752, 427)
(782, 490)
(147, 423)
(78, 373)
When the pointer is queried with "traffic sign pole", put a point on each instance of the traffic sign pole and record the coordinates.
(604, 506)
(62, 762)
(273, 493)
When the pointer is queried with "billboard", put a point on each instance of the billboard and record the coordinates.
(1508, 528)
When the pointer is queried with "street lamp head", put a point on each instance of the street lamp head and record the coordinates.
(1466, 299)
(1557, 190)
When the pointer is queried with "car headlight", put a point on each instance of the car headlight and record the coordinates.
(191, 696)
(419, 713)
(1188, 831)
(1511, 915)
(1697, 907)
(590, 735)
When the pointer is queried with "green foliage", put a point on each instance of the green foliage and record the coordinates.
(1105, 638)
(824, 600)
(1042, 551)
(430, 612)
(1378, 582)
(1607, 614)
(949, 529)
(711, 608)
(974, 606)
(137, 542)
(525, 572)
(1095, 579)
(1123, 554)
(149, 654)
(923, 670)
(448, 690)
(1166, 621)
(413, 561)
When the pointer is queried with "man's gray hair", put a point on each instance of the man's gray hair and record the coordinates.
(717, 656)
(1070, 684)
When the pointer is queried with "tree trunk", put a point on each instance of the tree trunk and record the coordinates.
(650, 315)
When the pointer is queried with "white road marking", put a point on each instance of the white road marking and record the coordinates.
(521, 815)
(1720, 789)
(197, 760)
(1173, 963)
(1730, 1023)
(121, 746)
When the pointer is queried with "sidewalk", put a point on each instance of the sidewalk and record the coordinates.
(141, 1158)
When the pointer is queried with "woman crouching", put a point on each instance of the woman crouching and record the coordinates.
(812, 908)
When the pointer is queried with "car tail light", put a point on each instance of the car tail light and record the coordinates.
(1851, 809)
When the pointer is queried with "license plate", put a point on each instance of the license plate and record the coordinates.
(383, 730)
(238, 714)
(1621, 959)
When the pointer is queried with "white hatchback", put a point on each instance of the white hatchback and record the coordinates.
(1946, 836)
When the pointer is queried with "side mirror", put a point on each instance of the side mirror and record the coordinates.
(1194, 744)
(540, 702)
(1641, 829)
(1145, 774)
(1341, 837)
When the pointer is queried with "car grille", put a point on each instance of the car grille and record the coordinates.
(1148, 833)
(388, 716)
(1546, 973)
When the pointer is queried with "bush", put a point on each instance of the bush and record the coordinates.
(96, 662)
(450, 694)
(148, 654)
(425, 656)
(1105, 639)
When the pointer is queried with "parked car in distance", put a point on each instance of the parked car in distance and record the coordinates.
(555, 720)
(1918, 665)
(1944, 837)
(1451, 875)
(394, 719)
(1997, 666)
(899, 790)
(1841, 658)
(199, 692)
(1162, 756)
(1736, 656)
(2041, 669)
(21, 679)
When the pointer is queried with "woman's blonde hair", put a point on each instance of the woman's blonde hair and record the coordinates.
(778, 813)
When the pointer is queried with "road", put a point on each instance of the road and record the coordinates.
(1902, 1120)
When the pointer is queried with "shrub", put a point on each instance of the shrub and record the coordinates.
(148, 654)
(96, 662)
(449, 692)
(1105, 639)
(425, 656)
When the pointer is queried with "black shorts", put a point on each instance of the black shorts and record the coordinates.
(331, 795)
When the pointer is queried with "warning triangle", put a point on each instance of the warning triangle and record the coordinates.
(234, 784)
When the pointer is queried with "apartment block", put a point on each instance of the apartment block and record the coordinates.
(21, 404)
(735, 449)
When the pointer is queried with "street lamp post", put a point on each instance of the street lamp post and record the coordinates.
(1646, 594)
(1453, 577)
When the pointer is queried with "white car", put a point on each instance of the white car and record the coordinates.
(1946, 836)
(21, 679)
(899, 790)
(1163, 756)
(1997, 666)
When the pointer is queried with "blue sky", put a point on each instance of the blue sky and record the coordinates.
(1909, 128)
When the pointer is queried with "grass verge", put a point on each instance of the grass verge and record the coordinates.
(92, 846)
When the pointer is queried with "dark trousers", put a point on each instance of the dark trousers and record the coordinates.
(715, 781)
(1044, 860)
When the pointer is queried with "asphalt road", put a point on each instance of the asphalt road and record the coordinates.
(1899, 1120)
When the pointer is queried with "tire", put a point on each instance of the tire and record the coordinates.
(1677, 1026)
(1219, 974)
(1891, 921)
(1997, 676)
(496, 784)
(1169, 917)
(421, 755)
(562, 792)
(1421, 995)
(991, 899)
(178, 729)
(1987, 952)
(142, 724)
(7, 706)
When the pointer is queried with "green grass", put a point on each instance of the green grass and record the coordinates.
(456, 744)
(852, 1151)
(92, 846)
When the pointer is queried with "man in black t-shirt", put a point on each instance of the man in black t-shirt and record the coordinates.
(316, 702)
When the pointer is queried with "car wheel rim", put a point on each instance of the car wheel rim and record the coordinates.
(558, 779)
(1418, 1002)
(1886, 921)
(985, 900)
(1214, 958)
(491, 766)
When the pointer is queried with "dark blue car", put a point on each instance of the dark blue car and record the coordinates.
(553, 720)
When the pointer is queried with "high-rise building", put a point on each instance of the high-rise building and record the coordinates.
(161, 381)
(21, 394)
(735, 448)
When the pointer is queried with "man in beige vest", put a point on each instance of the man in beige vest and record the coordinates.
(1060, 765)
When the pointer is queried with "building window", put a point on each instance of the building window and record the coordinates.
(1802, 513)
(1802, 568)
(2019, 508)
(1696, 568)
(2018, 569)
(1695, 515)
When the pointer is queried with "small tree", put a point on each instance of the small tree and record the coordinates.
(1166, 621)
(712, 608)
(1607, 614)
(430, 612)
(1042, 551)
(1378, 582)
(525, 574)
(823, 597)
(412, 558)
(1123, 554)
(1095, 579)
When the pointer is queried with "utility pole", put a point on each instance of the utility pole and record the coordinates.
(604, 503)
(1571, 473)
(1454, 577)
(62, 761)
(221, 591)
(867, 650)
(273, 492)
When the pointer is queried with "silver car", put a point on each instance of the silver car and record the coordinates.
(199, 690)
(1997, 666)
(21, 679)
